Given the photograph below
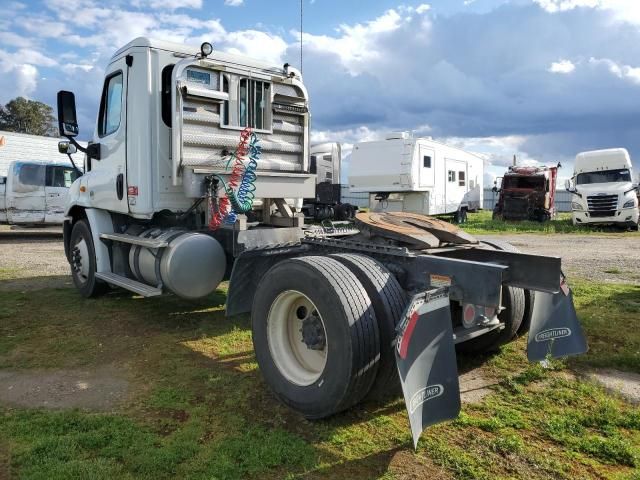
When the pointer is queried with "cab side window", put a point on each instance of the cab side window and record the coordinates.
(30, 177)
(111, 105)
(60, 176)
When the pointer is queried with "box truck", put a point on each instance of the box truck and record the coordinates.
(603, 192)
(192, 158)
(417, 175)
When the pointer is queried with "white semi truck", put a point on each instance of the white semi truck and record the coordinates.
(193, 156)
(418, 175)
(602, 188)
(34, 193)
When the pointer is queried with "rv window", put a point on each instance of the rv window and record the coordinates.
(3, 180)
(461, 179)
(111, 105)
(30, 177)
(426, 161)
(327, 158)
(313, 165)
(165, 98)
(452, 176)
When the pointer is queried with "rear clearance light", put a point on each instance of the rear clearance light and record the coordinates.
(283, 107)
(132, 191)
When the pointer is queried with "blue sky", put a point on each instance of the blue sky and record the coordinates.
(542, 79)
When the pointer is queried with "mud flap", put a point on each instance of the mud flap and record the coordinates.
(426, 360)
(555, 329)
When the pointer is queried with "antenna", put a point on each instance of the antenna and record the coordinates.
(301, 1)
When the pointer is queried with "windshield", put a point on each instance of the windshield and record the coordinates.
(533, 182)
(607, 176)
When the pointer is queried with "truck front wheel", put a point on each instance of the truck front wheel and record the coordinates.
(315, 335)
(82, 258)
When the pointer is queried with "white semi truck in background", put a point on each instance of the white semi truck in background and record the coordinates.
(602, 188)
(417, 175)
(193, 156)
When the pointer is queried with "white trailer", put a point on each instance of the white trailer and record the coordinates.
(158, 210)
(21, 147)
(417, 175)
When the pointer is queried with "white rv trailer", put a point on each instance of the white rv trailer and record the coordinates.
(417, 175)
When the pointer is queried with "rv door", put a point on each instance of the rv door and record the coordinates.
(25, 193)
(456, 184)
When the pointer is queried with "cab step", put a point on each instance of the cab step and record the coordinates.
(134, 240)
(129, 284)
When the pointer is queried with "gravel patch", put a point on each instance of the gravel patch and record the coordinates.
(626, 384)
(98, 389)
(600, 258)
(32, 259)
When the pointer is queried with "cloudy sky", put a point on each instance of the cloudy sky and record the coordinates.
(542, 79)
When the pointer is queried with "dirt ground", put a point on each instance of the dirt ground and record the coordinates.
(38, 255)
(600, 258)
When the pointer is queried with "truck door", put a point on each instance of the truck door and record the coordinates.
(25, 193)
(426, 165)
(456, 183)
(58, 180)
(107, 182)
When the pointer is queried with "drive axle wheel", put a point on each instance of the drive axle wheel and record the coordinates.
(82, 258)
(315, 335)
(297, 338)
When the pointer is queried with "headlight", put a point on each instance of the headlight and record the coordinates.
(576, 206)
(630, 203)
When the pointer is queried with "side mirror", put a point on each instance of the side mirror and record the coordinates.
(66, 148)
(67, 119)
(569, 187)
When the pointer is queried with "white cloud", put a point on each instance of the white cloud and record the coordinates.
(233, 3)
(563, 66)
(27, 79)
(256, 44)
(356, 45)
(621, 71)
(425, 7)
(622, 10)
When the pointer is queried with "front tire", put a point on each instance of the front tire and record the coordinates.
(315, 335)
(82, 258)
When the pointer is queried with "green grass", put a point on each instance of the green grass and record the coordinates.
(199, 408)
(481, 223)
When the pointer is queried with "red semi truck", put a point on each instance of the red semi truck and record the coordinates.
(527, 193)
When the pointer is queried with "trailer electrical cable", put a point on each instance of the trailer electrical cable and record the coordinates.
(240, 187)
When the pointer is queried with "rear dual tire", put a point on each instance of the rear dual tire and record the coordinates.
(341, 312)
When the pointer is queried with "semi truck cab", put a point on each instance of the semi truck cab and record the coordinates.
(603, 192)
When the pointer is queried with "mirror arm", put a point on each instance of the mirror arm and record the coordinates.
(92, 151)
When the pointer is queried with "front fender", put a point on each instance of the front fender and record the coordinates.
(76, 197)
